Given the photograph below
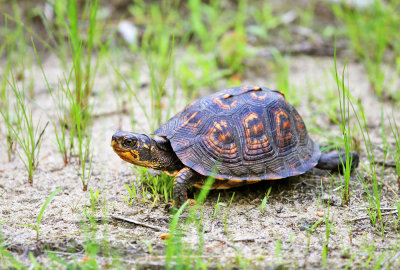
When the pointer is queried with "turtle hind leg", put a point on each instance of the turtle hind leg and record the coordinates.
(185, 178)
(333, 161)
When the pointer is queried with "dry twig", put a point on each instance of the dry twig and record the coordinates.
(366, 217)
(139, 223)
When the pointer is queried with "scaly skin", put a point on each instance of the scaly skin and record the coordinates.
(333, 162)
(184, 179)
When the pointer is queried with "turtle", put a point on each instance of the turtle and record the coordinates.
(240, 135)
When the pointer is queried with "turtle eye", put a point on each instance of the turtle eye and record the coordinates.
(130, 142)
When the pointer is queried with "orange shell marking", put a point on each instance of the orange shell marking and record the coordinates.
(190, 118)
(259, 96)
(254, 129)
(286, 126)
(299, 123)
(219, 133)
(222, 105)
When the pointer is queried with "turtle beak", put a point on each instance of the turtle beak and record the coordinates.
(113, 143)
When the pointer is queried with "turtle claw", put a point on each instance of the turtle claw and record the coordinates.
(191, 202)
(170, 207)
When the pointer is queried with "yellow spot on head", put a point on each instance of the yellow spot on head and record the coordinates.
(145, 145)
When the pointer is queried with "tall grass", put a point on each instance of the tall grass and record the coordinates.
(372, 183)
(80, 43)
(344, 124)
(60, 124)
(27, 132)
(74, 99)
(396, 153)
(79, 133)
(8, 116)
(373, 34)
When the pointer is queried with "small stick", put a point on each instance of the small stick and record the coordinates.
(384, 214)
(139, 223)
(246, 239)
(386, 164)
(66, 253)
(58, 169)
(291, 216)
(224, 242)
(389, 187)
(217, 245)
(382, 208)
(336, 189)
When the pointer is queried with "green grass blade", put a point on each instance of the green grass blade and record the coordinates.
(39, 218)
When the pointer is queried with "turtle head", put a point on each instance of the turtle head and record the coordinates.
(134, 148)
(142, 150)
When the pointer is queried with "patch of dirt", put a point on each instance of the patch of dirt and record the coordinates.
(252, 237)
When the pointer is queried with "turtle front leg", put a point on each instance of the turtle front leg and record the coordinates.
(185, 178)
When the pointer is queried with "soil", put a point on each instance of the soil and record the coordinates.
(277, 236)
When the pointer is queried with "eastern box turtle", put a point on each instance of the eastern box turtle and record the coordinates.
(239, 136)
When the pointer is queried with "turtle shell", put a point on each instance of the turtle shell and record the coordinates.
(242, 133)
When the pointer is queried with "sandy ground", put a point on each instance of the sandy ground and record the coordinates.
(252, 235)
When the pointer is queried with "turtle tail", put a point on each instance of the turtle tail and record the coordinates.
(333, 161)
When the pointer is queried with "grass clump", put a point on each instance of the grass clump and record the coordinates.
(27, 132)
(78, 134)
(180, 255)
(78, 97)
(132, 194)
(158, 187)
(81, 46)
